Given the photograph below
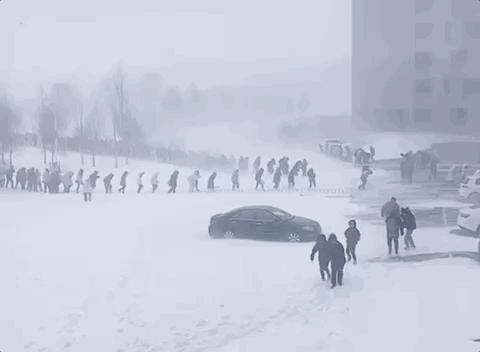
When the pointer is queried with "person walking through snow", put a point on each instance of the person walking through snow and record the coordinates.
(154, 181)
(193, 181)
(321, 247)
(235, 180)
(336, 254)
(140, 182)
(352, 234)
(123, 182)
(409, 223)
(258, 179)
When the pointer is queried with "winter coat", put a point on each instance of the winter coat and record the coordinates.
(277, 177)
(108, 179)
(79, 178)
(352, 235)
(311, 174)
(22, 176)
(321, 247)
(211, 181)
(394, 226)
(235, 176)
(154, 179)
(67, 179)
(390, 208)
(172, 182)
(408, 220)
(258, 176)
(192, 181)
(140, 179)
(336, 253)
(9, 173)
(87, 186)
(46, 177)
(123, 179)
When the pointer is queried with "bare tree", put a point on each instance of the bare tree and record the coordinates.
(9, 121)
(93, 131)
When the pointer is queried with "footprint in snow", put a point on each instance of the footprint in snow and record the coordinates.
(119, 331)
(30, 344)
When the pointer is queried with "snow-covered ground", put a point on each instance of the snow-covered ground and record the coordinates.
(139, 273)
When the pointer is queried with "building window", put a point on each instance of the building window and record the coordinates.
(423, 86)
(423, 30)
(459, 116)
(423, 6)
(459, 58)
(399, 117)
(472, 29)
(422, 115)
(446, 87)
(423, 61)
(470, 86)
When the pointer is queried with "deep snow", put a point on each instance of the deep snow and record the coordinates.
(139, 273)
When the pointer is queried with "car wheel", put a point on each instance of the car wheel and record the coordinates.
(474, 197)
(294, 238)
(229, 234)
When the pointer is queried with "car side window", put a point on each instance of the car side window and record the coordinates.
(244, 215)
(265, 216)
(477, 181)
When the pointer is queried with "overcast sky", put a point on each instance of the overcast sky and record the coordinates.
(46, 40)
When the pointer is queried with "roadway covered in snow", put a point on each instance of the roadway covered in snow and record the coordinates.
(140, 273)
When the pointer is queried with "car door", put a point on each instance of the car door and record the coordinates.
(267, 225)
(242, 223)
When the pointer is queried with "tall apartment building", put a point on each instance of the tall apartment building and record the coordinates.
(416, 65)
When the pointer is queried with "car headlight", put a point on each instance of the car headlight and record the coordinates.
(309, 228)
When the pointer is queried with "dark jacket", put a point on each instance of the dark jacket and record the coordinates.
(321, 247)
(258, 176)
(211, 181)
(173, 179)
(408, 219)
(352, 235)
(336, 252)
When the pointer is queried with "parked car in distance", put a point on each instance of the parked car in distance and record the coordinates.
(263, 222)
(329, 143)
(469, 219)
(470, 189)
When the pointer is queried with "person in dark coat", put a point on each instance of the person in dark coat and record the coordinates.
(394, 230)
(173, 181)
(271, 166)
(304, 167)
(107, 182)
(336, 254)
(409, 223)
(21, 178)
(9, 175)
(321, 247)
(277, 177)
(291, 177)
(123, 182)
(235, 179)
(312, 178)
(352, 234)
(93, 179)
(366, 171)
(211, 182)
(256, 164)
(258, 179)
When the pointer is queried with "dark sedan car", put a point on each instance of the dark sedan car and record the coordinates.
(263, 223)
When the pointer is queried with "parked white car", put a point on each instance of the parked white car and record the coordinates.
(329, 143)
(469, 219)
(470, 189)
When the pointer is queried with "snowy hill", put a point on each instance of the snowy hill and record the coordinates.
(140, 273)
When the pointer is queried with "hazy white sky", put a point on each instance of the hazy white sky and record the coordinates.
(45, 40)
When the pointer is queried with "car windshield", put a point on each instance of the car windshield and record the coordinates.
(283, 215)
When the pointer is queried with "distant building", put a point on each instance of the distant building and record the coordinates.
(416, 65)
